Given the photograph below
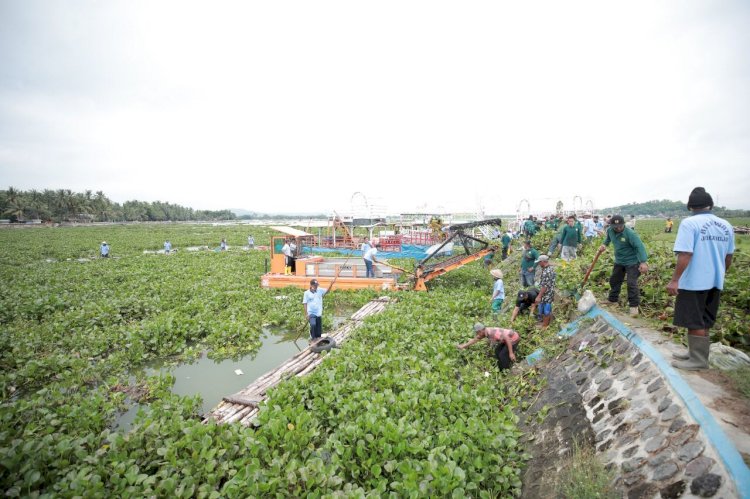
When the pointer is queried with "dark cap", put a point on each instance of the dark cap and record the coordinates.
(617, 220)
(313, 282)
(699, 198)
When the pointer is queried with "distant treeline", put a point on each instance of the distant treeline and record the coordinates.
(64, 205)
(666, 208)
(280, 216)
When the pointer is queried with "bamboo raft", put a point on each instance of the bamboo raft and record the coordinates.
(243, 406)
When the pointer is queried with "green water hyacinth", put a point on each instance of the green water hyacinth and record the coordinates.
(399, 410)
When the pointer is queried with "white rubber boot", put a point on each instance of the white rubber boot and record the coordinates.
(698, 349)
(681, 356)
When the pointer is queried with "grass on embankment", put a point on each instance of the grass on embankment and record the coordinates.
(741, 380)
(586, 477)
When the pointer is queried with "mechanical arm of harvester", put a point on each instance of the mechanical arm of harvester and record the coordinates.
(428, 271)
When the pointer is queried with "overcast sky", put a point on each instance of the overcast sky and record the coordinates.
(296, 106)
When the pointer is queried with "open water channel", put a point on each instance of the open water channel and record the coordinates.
(213, 380)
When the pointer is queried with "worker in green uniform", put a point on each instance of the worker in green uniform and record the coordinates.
(528, 264)
(630, 261)
(505, 241)
(529, 227)
(570, 238)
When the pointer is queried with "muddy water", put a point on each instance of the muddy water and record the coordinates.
(213, 380)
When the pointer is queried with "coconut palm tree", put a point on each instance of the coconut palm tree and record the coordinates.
(61, 203)
(37, 206)
(101, 206)
(14, 204)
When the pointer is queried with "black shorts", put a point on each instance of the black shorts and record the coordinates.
(696, 309)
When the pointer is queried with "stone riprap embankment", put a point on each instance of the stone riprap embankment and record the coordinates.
(606, 394)
(552, 440)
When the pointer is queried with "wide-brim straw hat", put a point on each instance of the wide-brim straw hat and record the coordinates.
(497, 273)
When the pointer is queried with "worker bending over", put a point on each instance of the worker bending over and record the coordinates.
(504, 340)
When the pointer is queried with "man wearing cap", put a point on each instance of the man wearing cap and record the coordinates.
(104, 249)
(528, 264)
(312, 302)
(524, 301)
(630, 261)
(498, 291)
(167, 246)
(704, 248)
(546, 291)
(505, 340)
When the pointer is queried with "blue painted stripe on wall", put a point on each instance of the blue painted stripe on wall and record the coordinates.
(728, 453)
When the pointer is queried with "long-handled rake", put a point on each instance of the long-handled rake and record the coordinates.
(577, 291)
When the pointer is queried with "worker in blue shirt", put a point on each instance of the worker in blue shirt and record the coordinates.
(498, 291)
(370, 260)
(104, 249)
(364, 248)
(312, 302)
(705, 249)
